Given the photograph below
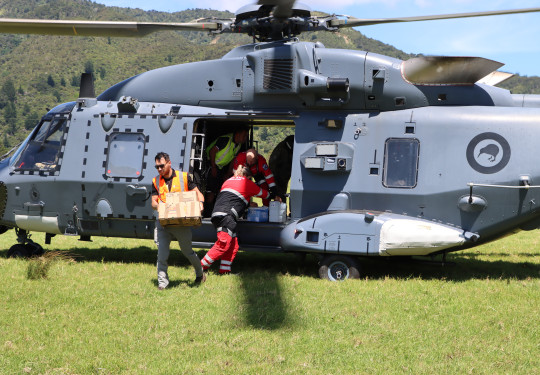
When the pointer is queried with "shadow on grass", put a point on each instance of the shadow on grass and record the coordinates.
(175, 283)
(252, 265)
(259, 274)
(265, 306)
(459, 268)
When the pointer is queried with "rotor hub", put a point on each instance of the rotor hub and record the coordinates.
(260, 22)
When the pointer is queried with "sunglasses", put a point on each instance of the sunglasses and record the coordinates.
(160, 166)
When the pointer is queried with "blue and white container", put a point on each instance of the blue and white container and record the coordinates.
(257, 214)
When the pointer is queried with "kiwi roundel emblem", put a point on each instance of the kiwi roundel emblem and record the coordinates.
(488, 153)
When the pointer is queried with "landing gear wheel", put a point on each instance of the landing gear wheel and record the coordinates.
(339, 268)
(19, 251)
(25, 251)
(35, 249)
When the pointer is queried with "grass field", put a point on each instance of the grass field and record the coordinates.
(102, 314)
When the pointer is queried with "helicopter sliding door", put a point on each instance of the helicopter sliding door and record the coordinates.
(118, 169)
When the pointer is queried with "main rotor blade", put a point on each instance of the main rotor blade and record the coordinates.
(283, 8)
(96, 28)
(494, 78)
(447, 70)
(353, 22)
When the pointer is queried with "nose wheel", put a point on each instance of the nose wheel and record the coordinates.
(25, 251)
(26, 248)
(339, 268)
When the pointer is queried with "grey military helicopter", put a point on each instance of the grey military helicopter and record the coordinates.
(391, 158)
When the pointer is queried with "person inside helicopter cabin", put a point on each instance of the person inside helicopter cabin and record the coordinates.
(259, 170)
(280, 163)
(221, 153)
(231, 203)
(170, 181)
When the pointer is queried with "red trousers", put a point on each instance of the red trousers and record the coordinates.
(225, 249)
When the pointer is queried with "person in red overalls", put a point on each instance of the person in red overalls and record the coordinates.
(259, 169)
(231, 202)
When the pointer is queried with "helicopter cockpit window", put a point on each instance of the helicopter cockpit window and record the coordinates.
(401, 163)
(126, 152)
(42, 151)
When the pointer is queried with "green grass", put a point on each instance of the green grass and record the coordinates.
(103, 314)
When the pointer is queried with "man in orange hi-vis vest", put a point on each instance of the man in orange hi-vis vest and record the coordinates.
(170, 181)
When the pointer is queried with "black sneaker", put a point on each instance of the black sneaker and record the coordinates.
(200, 279)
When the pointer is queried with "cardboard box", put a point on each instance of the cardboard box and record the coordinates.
(180, 209)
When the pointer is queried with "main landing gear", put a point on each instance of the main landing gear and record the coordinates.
(26, 248)
(338, 268)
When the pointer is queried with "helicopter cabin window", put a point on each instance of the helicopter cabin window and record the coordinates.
(42, 151)
(401, 163)
(126, 152)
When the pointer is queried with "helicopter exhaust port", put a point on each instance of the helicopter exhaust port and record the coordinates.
(338, 85)
(321, 90)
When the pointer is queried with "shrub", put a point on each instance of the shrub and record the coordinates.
(38, 267)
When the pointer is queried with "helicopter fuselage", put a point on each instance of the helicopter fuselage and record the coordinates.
(381, 165)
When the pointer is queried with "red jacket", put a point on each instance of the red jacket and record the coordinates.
(234, 197)
(260, 171)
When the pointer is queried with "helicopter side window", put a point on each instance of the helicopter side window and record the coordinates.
(126, 152)
(401, 163)
(42, 152)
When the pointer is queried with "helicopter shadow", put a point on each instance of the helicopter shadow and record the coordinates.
(257, 269)
(266, 306)
(458, 267)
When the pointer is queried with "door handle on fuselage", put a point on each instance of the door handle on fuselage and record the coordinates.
(132, 190)
(34, 205)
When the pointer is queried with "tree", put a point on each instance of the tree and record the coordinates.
(89, 67)
(10, 112)
(76, 81)
(102, 72)
(50, 81)
(31, 121)
(9, 90)
(10, 115)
